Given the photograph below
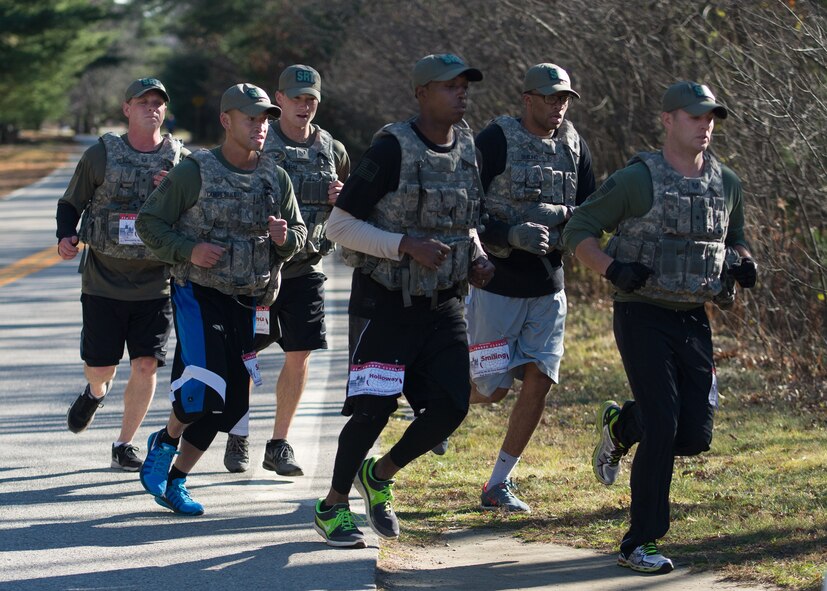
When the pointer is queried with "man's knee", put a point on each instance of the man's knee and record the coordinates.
(373, 409)
(144, 366)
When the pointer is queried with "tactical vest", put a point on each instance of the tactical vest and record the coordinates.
(537, 170)
(109, 221)
(311, 170)
(232, 211)
(682, 237)
(438, 197)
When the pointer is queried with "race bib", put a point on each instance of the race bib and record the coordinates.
(489, 358)
(126, 229)
(713, 390)
(379, 379)
(251, 363)
(262, 320)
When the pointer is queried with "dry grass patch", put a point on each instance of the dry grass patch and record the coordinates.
(27, 162)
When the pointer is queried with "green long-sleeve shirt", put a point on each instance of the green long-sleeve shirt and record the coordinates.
(179, 192)
(628, 193)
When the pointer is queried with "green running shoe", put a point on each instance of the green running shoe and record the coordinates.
(378, 496)
(337, 527)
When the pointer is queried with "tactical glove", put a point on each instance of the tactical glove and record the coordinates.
(745, 272)
(628, 277)
(547, 214)
(530, 237)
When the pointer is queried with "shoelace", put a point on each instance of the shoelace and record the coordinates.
(384, 495)
(344, 518)
(286, 452)
(158, 466)
(235, 445)
(649, 548)
(618, 452)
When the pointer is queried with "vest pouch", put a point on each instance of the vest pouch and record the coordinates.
(673, 256)
(547, 185)
(314, 235)
(697, 278)
(520, 189)
(533, 187)
(436, 209)
(352, 258)
(387, 274)
(424, 281)
(624, 249)
(703, 220)
(570, 189)
(313, 192)
(460, 261)
(557, 192)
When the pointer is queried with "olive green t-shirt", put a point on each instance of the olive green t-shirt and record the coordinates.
(179, 191)
(313, 264)
(628, 193)
(102, 275)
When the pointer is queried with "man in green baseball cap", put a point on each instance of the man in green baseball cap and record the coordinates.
(317, 164)
(678, 218)
(125, 289)
(535, 169)
(220, 219)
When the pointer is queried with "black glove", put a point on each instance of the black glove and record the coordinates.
(628, 276)
(745, 272)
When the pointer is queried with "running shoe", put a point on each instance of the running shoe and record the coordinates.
(337, 526)
(237, 453)
(501, 497)
(155, 469)
(608, 451)
(125, 457)
(646, 559)
(177, 497)
(378, 496)
(279, 458)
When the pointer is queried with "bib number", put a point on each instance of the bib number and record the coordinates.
(126, 230)
(251, 363)
(379, 379)
(489, 358)
(262, 320)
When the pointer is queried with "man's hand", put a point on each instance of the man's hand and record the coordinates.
(67, 248)
(278, 230)
(548, 214)
(206, 255)
(529, 236)
(628, 277)
(333, 191)
(427, 252)
(481, 272)
(745, 272)
(159, 176)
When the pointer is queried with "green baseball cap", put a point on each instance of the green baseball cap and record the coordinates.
(695, 99)
(442, 66)
(547, 79)
(142, 86)
(300, 79)
(249, 99)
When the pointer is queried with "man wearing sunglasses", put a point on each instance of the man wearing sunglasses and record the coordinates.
(535, 169)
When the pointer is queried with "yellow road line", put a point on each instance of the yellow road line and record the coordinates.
(30, 264)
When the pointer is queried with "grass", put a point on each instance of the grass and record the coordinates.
(30, 160)
(754, 508)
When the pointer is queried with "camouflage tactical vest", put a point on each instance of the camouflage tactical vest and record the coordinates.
(682, 237)
(537, 170)
(311, 170)
(109, 221)
(232, 211)
(438, 197)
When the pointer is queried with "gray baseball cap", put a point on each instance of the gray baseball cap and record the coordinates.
(249, 99)
(696, 99)
(442, 66)
(300, 79)
(142, 86)
(547, 79)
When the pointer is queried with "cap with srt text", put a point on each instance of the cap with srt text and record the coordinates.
(249, 99)
(695, 99)
(142, 86)
(299, 79)
(547, 79)
(442, 66)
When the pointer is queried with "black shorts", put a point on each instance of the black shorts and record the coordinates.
(143, 326)
(434, 353)
(297, 316)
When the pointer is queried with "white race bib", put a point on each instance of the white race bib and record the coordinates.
(379, 379)
(489, 358)
(126, 229)
(262, 320)
(251, 363)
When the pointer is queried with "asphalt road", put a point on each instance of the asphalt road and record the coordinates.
(68, 521)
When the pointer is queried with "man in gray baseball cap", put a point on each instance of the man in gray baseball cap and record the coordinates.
(440, 67)
(249, 99)
(696, 99)
(547, 79)
(141, 86)
(221, 271)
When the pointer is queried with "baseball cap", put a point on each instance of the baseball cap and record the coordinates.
(547, 79)
(142, 86)
(249, 99)
(695, 99)
(299, 79)
(442, 66)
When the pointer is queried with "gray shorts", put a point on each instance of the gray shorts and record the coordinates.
(533, 327)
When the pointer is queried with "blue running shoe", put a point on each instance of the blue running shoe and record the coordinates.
(177, 498)
(155, 469)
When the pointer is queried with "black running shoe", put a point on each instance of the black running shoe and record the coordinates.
(125, 457)
(279, 458)
(83, 409)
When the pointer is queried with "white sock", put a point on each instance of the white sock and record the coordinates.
(120, 443)
(242, 427)
(502, 468)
